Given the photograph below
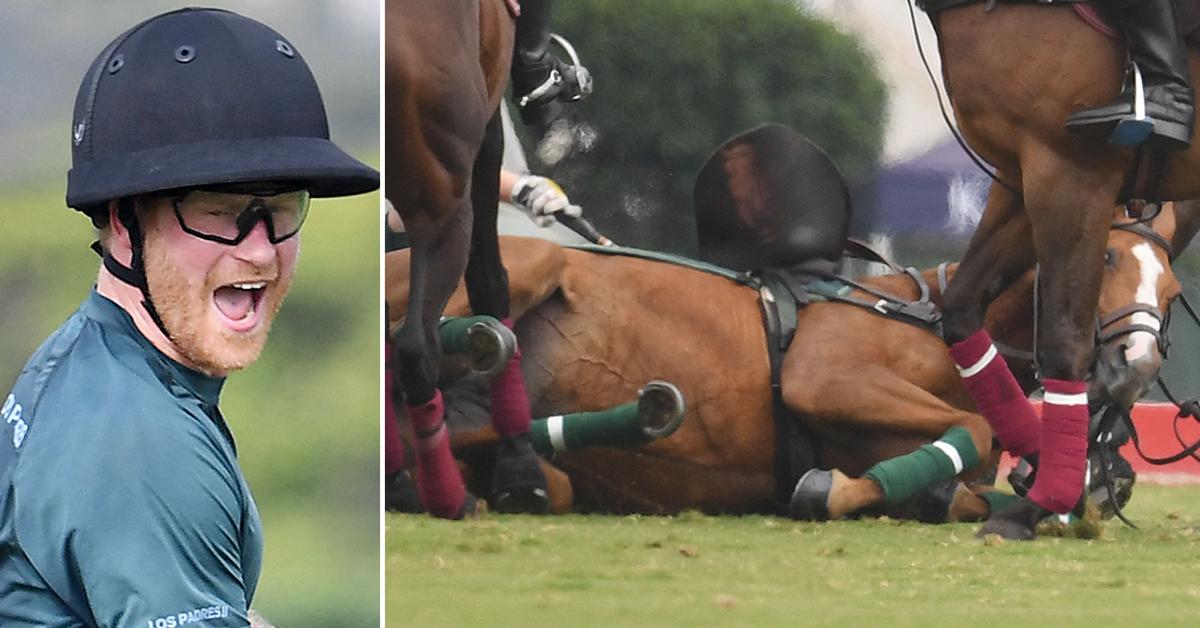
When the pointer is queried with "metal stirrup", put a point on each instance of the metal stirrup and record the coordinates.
(582, 76)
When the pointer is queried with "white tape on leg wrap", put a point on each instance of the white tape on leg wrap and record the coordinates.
(1063, 399)
(974, 369)
(554, 425)
(951, 453)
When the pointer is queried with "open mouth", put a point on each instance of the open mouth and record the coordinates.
(238, 303)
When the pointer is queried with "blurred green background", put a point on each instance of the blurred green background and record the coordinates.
(306, 415)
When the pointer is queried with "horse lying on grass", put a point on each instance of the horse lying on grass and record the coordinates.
(594, 327)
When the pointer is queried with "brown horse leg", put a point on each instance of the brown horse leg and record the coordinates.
(518, 484)
(873, 398)
(486, 278)
(558, 485)
(1000, 252)
(436, 266)
(1070, 206)
(967, 506)
(1070, 289)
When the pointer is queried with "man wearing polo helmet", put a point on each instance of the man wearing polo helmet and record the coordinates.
(198, 139)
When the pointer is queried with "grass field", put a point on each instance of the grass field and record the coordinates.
(696, 570)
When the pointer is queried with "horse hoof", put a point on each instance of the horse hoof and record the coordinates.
(518, 484)
(1016, 522)
(490, 345)
(400, 493)
(933, 504)
(810, 499)
(472, 508)
(660, 409)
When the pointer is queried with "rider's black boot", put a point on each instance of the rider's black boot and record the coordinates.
(1156, 46)
(541, 83)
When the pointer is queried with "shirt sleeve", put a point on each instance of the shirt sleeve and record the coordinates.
(138, 524)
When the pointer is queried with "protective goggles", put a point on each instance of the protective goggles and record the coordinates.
(228, 218)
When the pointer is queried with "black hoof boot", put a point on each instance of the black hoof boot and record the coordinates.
(518, 484)
(400, 493)
(810, 499)
(1016, 522)
(660, 409)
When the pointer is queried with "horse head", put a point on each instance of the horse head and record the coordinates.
(1138, 290)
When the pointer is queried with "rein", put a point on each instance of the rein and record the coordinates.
(1142, 229)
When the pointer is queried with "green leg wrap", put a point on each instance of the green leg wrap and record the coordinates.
(619, 426)
(904, 476)
(452, 332)
(998, 501)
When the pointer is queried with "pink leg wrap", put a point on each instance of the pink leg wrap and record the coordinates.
(438, 481)
(996, 393)
(1063, 459)
(510, 403)
(393, 445)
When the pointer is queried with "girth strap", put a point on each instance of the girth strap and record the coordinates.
(795, 443)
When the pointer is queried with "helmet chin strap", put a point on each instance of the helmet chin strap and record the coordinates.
(135, 273)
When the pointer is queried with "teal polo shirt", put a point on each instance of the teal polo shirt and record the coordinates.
(121, 499)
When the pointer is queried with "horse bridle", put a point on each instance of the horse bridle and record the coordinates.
(1103, 323)
(1159, 333)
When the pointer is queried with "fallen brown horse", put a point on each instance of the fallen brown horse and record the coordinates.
(594, 327)
(1052, 209)
(447, 62)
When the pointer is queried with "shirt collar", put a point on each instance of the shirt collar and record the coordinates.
(205, 387)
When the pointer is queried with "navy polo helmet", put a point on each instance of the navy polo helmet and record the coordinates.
(202, 97)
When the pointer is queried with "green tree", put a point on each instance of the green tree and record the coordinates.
(676, 78)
